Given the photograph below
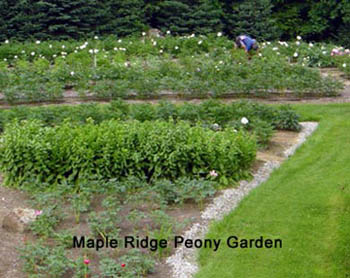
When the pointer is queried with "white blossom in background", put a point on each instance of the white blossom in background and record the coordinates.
(278, 53)
(275, 48)
(23, 51)
(324, 52)
(347, 51)
(311, 44)
(344, 65)
(161, 51)
(95, 51)
(119, 40)
(115, 48)
(168, 32)
(7, 41)
(37, 42)
(143, 33)
(63, 46)
(192, 36)
(5, 59)
(296, 54)
(244, 121)
(154, 43)
(50, 46)
(96, 37)
(72, 73)
(268, 43)
(213, 173)
(32, 53)
(176, 47)
(54, 55)
(16, 57)
(297, 43)
(298, 38)
(75, 51)
(200, 42)
(221, 62)
(260, 54)
(219, 34)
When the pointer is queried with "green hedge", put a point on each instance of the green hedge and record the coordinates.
(115, 149)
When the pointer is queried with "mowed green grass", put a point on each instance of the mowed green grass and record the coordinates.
(306, 203)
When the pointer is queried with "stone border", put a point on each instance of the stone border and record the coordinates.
(183, 263)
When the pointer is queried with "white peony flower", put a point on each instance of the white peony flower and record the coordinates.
(96, 37)
(297, 43)
(275, 48)
(143, 33)
(154, 43)
(95, 51)
(200, 42)
(219, 34)
(7, 41)
(176, 47)
(32, 53)
(311, 44)
(324, 52)
(119, 40)
(37, 42)
(298, 38)
(344, 65)
(296, 54)
(115, 48)
(161, 51)
(72, 73)
(50, 46)
(244, 121)
(63, 46)
(16, 57)
(168, 32)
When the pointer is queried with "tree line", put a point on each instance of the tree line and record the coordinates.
(263, 19)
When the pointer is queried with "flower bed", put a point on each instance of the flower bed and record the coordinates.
(143, 68)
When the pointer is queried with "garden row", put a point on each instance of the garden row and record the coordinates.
(188, 66)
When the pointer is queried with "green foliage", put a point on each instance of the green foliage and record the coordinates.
(136, 265)
(184, 189)
(44, 261)
(115, 149)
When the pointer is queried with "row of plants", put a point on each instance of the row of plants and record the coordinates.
(134, 67)
(155, 149)
(262, 119)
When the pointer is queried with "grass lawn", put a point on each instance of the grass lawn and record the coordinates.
(306, 203)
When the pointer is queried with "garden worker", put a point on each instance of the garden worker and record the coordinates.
(246, 42)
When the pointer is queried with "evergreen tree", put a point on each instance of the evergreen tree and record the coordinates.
(207, 17)
(173, 15)
(125, 17)
(252, 17)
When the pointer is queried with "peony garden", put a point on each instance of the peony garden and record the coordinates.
(149, 153)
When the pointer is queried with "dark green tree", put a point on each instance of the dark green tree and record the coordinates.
(125, 17)
(252, 17)
(207, 17)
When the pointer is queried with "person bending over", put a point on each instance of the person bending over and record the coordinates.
(247, 43)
